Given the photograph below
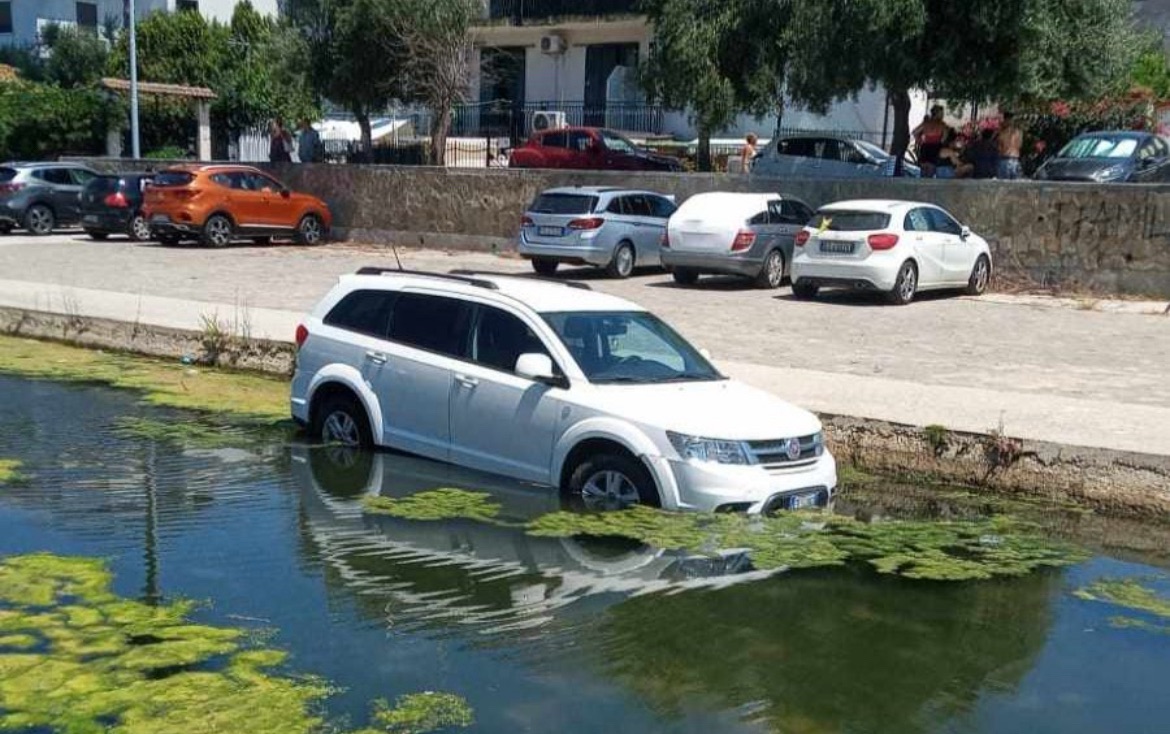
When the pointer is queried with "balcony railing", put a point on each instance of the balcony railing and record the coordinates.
(520, 12)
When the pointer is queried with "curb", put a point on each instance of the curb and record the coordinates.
(1115, 483)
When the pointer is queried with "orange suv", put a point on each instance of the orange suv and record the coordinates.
(216, 204)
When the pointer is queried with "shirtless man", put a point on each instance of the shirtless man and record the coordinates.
(1009, 141)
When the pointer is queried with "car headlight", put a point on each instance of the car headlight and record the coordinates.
(708, 449)
(1109, 174)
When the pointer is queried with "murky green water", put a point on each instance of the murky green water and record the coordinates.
(574, 634)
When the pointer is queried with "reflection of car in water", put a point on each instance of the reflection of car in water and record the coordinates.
(492, 573)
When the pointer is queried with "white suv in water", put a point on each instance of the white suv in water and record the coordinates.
(549, 382)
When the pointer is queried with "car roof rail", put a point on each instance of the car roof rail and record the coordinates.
(555, 281)
(462, 278)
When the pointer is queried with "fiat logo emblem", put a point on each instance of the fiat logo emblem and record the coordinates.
(793, 449)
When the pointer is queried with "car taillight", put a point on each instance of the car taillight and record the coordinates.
(526, 221)
(116, 200)
(882, 241)
(664, 241)
(802, 238)
(10, 188)
(588, 223)
(302, 335)
(744, 239)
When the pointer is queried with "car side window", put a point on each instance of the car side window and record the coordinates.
(802, 147)
(222, 179)
(775, 212)
(55, 176)
(850, 154)
(827, 149)
(579, 141)
(617, 205)
(500, 339)
(917, 220)
(942, 222)
(760, 218)
(793, 212)
(434, 323)
(82, 176)
(365, 312)
(637, 206)
(554, 140)
(1161, 150)
(260, 182)
(660, 207)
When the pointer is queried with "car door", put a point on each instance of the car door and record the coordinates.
(929, 247)
(273, 210)
(501, 422)
(959, 253)
(791, 216)
(555, 152)
(355, 331)
(661, 210)
(797, 157)
(246, 206)
(427, 345)
(766, 225)
(647, 230)
(64, 192)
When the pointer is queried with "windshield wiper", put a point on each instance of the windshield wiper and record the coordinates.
(693, 377)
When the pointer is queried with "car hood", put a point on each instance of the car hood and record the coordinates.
(662, 160)
(725, 409)
(1081, 169)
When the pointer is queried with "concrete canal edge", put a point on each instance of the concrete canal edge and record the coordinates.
(1112, 482)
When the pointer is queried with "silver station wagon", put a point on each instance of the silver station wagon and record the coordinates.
(612, 228)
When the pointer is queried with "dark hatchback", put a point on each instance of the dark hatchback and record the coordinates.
(1110, 157)
(113, 205)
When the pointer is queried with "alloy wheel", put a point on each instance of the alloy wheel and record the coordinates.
(775, 269)
(908, 284)
(140, 228)
(609, 490)
(40, 220)
(310, 230)
(980, 277)
(219, 231)
(340, 428)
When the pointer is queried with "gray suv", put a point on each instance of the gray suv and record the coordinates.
(612, 228)
(41, 196)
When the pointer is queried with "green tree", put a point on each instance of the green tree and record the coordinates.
(77, 57)
(39, 121)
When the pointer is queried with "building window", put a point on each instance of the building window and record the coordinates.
(87, 15)
(187, 5)
(6, 17)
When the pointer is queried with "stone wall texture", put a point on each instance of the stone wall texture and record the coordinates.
(1112, 238)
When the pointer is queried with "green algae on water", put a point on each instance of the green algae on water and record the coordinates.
(422, 712)
(436, 504)
(76, 658)
(1124, 623)
(9, 470)
(1128, 593)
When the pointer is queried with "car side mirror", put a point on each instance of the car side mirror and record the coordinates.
(964, 232)
(538, 368)
(285, 193)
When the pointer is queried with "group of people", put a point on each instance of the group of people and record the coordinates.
(281, 144)
(945, 153)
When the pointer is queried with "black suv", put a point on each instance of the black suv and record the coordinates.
(41, 196)
(113, 205)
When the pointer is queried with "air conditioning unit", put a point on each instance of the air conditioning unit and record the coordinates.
(552, 44)
(545, 120)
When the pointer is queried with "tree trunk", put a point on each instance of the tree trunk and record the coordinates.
(779, 116)
(704, 153)
(440, 126)
(900, 100)
(363, 121)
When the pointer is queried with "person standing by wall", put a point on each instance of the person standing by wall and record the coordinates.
(749, 153)
(931, 135)
(308, 143)
(1009, 141)
(279, 143)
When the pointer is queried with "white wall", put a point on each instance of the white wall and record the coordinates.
(221, 10)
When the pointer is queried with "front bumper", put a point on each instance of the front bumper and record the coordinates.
(572, 250)
(717, 263)
(833, 273)
(708, 487)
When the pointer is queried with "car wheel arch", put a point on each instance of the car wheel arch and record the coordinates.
(339, 378)
(221, 213)
(586, 439)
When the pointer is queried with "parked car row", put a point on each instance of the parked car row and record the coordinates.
(210, 204)
(894, 247)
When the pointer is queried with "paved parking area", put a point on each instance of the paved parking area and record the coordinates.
(1034, 350)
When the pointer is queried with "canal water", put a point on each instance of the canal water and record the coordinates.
(576, 634)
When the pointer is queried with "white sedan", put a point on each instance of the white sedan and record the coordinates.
(893, 247)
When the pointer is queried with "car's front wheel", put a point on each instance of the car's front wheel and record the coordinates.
(772, 273)
(683, 276)
(622, 263)
(544, 267)
(139, 229)
(39, 220)
(980, 277)
(612, 482)
(217, 231)
(905, 286)
(805, 290)
(341, 420)
(310, 230)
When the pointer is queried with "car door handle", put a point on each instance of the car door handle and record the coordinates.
(376, 357)
(465, 381)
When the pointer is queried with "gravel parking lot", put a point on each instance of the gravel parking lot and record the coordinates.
(996, 342)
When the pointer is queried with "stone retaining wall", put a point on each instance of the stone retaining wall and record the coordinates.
(1115, 238)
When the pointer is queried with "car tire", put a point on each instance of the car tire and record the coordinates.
(5, 228)
(682, 276)
(621, 265)
(905, 286)
(545, 267)
(772, 273)
(341, 419)
(804, 290)
(310, 230)
(39, 220)
(95, 235)
(217, 231)
(611, 481)
(139, 228)
(980, 277)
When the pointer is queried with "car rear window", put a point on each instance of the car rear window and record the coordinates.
(847, 221)
(366, 312)
(7, 174)
(102, 184)
(564, 204)
(172, 178)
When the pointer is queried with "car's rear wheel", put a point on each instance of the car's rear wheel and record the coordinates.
(980, 277)
(544, 266)
(310, 230)
(217, 231)
(805, 290)
(340, 419)
(683, 276)
(612, 481)
(905, 286)
(93, 234)
(772, 273)
(621, 265)
(139, 229)
(39, 220)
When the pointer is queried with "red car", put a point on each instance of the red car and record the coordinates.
(587, 148)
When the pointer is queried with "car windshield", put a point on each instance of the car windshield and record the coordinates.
(636, 347)
(871, 150)
(563, 204)
(617, 143)
(1100, 146)
(173, 178)
(849, 221)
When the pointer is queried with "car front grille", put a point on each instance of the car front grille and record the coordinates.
(773, 454)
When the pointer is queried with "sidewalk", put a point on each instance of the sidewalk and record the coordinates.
(1038, 415)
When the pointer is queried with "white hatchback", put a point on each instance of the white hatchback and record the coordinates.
(549, 383)
(894, 247)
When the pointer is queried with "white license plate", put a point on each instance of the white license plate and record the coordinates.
(549, 231)
(837, 248)
(803, 501)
